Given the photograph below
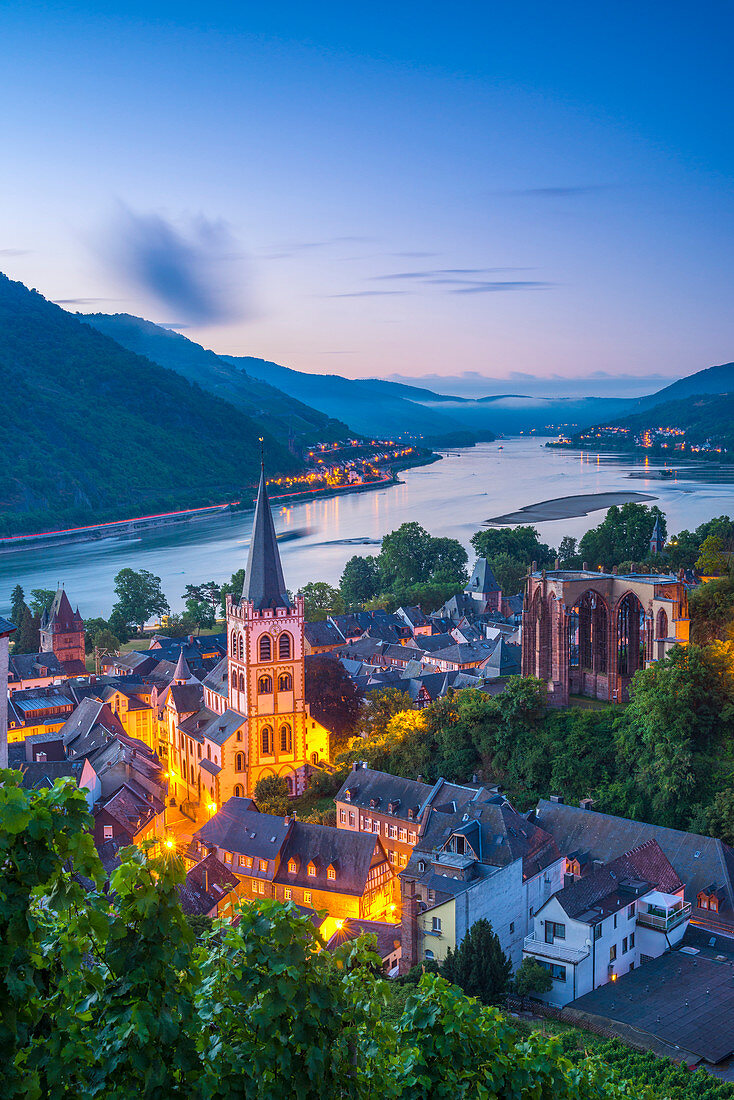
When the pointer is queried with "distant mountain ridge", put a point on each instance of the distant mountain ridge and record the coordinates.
(91, 432)
(719, 379)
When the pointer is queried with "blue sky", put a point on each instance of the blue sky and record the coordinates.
(494, 188)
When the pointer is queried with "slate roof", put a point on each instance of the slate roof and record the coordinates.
(599, 893)
(388, 935)
(89, 726)
(505, 659)
(685, 1000)
(60, 618)
(34, 700)
(182, 672)
(499, 835)
(240, 829)
(264, 584)
(323, 633)
(185, 698)
(34, 666)
(365, 784)
(697, 860)
(413, 615)
(220, 882)
(482, 578)
(130, 809)
(6, 627)
(351, 854)
(464, 652)
(223, 726)
(44, 774)
(217, 679)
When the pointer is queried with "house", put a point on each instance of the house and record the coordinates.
(483, 587)
(62, 633)
(321, 637)
(418, 623)
(483, 860)
(608, 921)
(34, 670)
(387, 937)
(128, 817)
(318, 867)
(704, 864)
(37, 710)
(210, 889)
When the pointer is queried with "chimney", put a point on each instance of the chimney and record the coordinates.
(419, 779)
(355, 765)
(558, 564)
(191, 639)
(475, 778)
(286, 820)
(364, 765)
(557, 798)
(597, 864)
(586, 804)
(204, 880)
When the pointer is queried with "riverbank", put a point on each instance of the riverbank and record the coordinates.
(566, 508)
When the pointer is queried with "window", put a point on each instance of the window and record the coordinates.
(314, 758)
(265, 685)
(421, 865)
(342, 817)
(306, 897)
(393, 832)
(286, 738)
(311, 869)
(239, 790)
(429, 954)
(227, 857)
(331, 874)
(263, 865)
(287, 893)
(631, 911)
(265, 648)
(233, 645)
(554, 931)
(391, 856)
(239, 762)
(615, 920)
(367, 824)
(242, 648)
(107, 831)
(242, 681)
(613, 953)
(284, 648)
(598, 930)
(267, 740)
(403, 859)
(512, 926)
(245, 861)
(413, 838)
(239, 735)
(376, 827)
(558, 973)
(352, 818)
(285, 682)
(208, 752)
(436, 924)
(198, 751)
(624, 946)
(292, 866)
(632, 940)
(403, 835)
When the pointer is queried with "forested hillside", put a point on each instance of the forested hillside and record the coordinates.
(278, 412)
(91, 432)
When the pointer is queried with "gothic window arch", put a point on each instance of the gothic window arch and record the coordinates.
(662, 631)
(285, 682)
(233, 644)
(284, 647)
(242, 648)
(267, 740)
(265, 648)
(242, 681)
(289, 784)
(286, 738)
(239, 762)
(239, 790)
(265, 685)
(314, 758)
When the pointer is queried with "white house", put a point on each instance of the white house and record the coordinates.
(607, 922)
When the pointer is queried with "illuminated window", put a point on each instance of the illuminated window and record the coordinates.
(286, 738)
(331, 874)
(263, 865)
(265, 685)
(292, 866)
(287, 893)
(306, 897)
(227, 857)
(311, 869)
(239, 790)
(108, 832)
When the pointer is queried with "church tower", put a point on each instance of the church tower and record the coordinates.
(62, 633)
(266, 665)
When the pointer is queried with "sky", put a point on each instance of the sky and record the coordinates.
(529, 193)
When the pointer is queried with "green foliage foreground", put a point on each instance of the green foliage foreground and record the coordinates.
(111, 995)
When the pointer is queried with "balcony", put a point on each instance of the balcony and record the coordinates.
(558, 951)
(665, 922)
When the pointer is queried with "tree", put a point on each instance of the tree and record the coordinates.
(332, 695)
(448, 561)
(531, 977)
(712, 558)
(139, 596)
(522, 543)
(118, 626)
(568, 554)
(232, 588)
(200, 613)
(17, 603)
(711, 608)
(479, 965)
(180, 626)
(271, 795)
(623, 535)
(202, 602)
(321, 600)
(510, 573)
(360, 581)
(41, 600)
(720, 816)
(406, 556)
(107, 642)
(379, 707)
(27, 638)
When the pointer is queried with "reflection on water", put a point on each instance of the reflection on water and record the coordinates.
(451, 497)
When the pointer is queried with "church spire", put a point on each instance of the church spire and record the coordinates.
(182, 674)
(264, 584)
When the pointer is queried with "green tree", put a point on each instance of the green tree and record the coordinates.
(720, 816)
(568, 554)
(332, 696)
(271, 795)
(510, 573)
(360, 581)
(712, 557)
(180, 626)
(321, 600)
(107, 642)
(202, 602)
(711, 607)
(448, 562)
(139, 596)
(522, 543)
(200, 613)
(118, 626)
(27, 638)
(623, 535)
(406, 556)
(17, 603)
(479, 965)
(379, 707)
(531, 977)
(232, 588)
(41, 600)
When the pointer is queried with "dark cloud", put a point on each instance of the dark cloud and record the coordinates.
(194, 267)
(555, 192)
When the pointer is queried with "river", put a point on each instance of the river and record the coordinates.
(451, 497)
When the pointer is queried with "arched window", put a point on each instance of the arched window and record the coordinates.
(192, 774)
(315, 759)
(285, 682)
(266, 648)
(286, 738)
(239, 762)
(267, 740)
(242, 648)
(239, 790)
(233, 645)
(265, 685)
(198, 751)
(429, 953)
(242, 681)
(284, 647)
(289, 785)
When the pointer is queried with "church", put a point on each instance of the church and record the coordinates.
(254, 721)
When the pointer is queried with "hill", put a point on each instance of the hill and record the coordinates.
(278, 412)
(706, 421)
(91, 432)
(718, 379)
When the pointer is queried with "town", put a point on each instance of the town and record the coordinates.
(204, 746)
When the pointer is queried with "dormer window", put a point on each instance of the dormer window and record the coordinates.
(311, 869)
(292, 866)
(331, 872)
(411, 813)
(374, 803)
(421, 866)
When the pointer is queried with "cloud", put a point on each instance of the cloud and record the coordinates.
(15, 251)
(491, 287)
(295, 248)
(368, 294)
(194, 267)
(433, 274)
(83, 301)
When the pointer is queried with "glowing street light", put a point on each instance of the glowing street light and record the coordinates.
(169, 842)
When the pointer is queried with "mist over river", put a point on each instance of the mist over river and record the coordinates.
(451, 497)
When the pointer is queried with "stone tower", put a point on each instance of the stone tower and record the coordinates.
(266, 665)
(62, 630)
